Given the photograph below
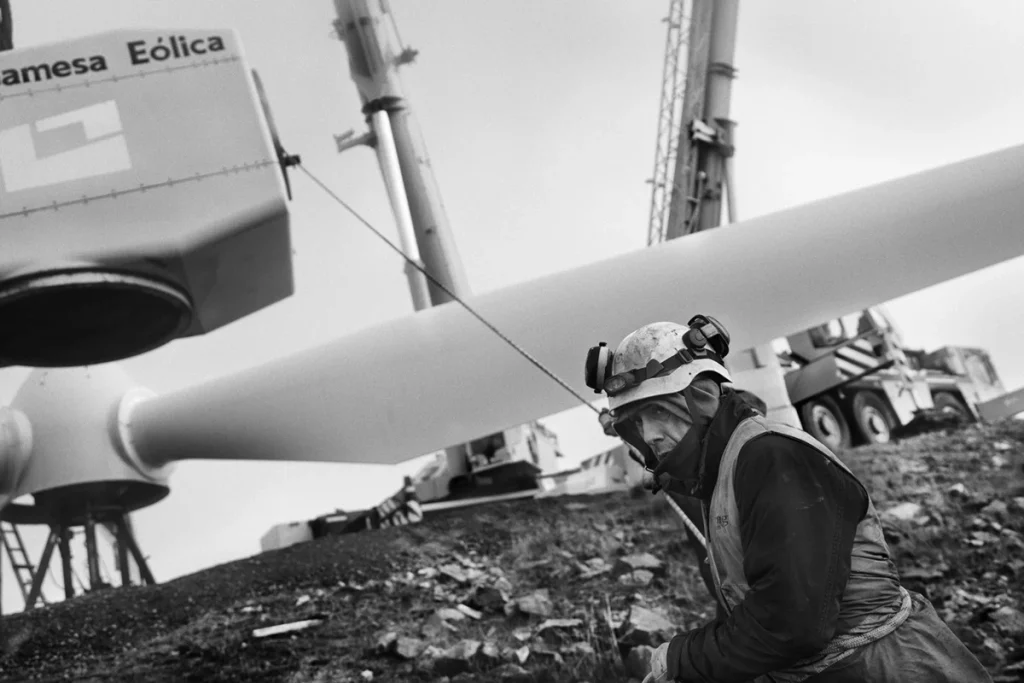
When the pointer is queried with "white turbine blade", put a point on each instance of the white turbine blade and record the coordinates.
(439, 377)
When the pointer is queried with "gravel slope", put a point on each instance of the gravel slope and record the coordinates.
(956, 523)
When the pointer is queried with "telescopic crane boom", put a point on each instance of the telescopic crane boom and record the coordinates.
(693, 158)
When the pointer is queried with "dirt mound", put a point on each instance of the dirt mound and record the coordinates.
(567, 589)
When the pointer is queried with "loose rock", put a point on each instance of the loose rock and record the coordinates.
(638, 661)
(469, 612)
(578, 649)
(522, 634)
(457, 658)
(386, 642)
(454, 572)
(1010, 621)
(490, 654)
(639, 578)
(646, 626)
(996, 508)
(511, 673)
(488, 599)
(958, 489)
(904, 511)
(559, 624)
(536, 604)
(439, 622)
(641, 561)
(546, 655)
(409, 648)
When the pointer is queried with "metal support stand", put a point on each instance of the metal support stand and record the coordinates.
(121, 547)
(40, 572)
(125, 534)
(65, 563)
(92, 553)
(60, 539)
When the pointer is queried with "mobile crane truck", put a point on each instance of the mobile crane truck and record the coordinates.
(852, 381)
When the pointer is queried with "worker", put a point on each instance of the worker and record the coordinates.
(807, 587)
(690, 507)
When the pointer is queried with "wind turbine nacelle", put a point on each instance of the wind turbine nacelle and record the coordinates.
(141, 196)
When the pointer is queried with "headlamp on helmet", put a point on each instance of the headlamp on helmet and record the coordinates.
(706, 339)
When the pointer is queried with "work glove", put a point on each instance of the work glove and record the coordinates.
(607, 422)
(659, 665)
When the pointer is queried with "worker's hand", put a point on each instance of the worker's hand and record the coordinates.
(653, 484)
(607, 422)
(659, 665)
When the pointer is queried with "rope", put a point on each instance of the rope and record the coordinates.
(852, 641)
(447, 291)
(686, 520)
(841, 647)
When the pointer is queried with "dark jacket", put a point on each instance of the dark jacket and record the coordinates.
(691, 507)
(774, 475)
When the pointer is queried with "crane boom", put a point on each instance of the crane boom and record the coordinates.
(675, 188)
(692, 159)
(670, 109)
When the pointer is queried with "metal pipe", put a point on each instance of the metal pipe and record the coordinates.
(39, 574)
(718, 94)
(123, 567)
(687, 183)
(437, 244)
(729, 172)
(730, 191)
(374, 57)
(721, 73)
(65, 561)
(375, 54)
(145, 575)
(722, 50)
(387, 158)
(92, 552)
(470, 502)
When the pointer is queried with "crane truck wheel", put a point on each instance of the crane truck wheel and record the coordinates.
(949, 404)
(823, 420)
(874, 421)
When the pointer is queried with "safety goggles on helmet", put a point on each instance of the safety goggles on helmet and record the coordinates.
(706, 339)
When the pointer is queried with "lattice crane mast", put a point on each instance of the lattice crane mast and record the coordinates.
(681, 189)
(670, 111)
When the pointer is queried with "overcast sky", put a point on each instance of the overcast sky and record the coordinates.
(540, 120)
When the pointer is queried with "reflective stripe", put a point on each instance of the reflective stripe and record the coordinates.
(600, 459)
(865, 346)
(849, 370)
(865, 360)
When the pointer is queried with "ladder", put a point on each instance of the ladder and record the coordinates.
(20, 563)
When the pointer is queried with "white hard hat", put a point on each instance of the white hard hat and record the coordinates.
(660, 342)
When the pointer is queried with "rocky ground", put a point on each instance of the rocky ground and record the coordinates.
(553, 590)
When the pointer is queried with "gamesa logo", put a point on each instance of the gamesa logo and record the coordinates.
(60, 156)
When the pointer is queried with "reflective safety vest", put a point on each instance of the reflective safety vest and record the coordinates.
(863, 616)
